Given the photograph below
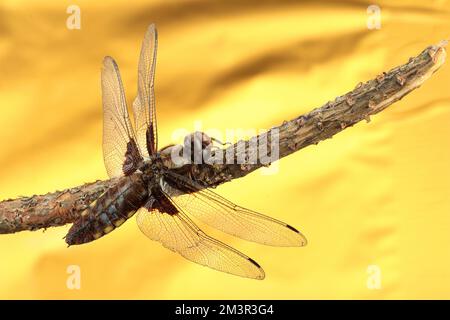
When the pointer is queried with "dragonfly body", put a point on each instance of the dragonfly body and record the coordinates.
(143, 188)
(110, 210)
(164, 195)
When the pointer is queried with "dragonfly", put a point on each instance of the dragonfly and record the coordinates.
(165, 198)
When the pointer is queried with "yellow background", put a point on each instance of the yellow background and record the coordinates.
(375, 194)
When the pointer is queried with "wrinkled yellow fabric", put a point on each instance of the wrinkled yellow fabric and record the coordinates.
(373, 201)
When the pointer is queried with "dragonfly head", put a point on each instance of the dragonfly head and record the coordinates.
(195, 144)
(198, 140)
(196, 148)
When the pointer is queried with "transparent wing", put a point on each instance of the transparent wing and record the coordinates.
(120, 151)
(144, 104)
(177, 233)
(222, 214)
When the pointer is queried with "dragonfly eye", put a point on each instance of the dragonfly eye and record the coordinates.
(197, 140)
(194, 145)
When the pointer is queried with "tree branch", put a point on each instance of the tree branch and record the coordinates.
(322, 123)
(62, 207)
(49, 210)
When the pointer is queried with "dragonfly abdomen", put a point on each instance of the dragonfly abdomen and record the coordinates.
(109, 211)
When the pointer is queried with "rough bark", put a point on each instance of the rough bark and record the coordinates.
(322, 123)
(62, 207)
(49, 210)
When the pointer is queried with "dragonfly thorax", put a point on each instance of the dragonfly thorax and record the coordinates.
(151, 168)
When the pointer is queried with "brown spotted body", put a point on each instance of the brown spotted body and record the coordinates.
(111, 210)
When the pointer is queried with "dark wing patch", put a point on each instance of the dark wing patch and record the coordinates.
(144, 107)
(132, 158)
(120, 151)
